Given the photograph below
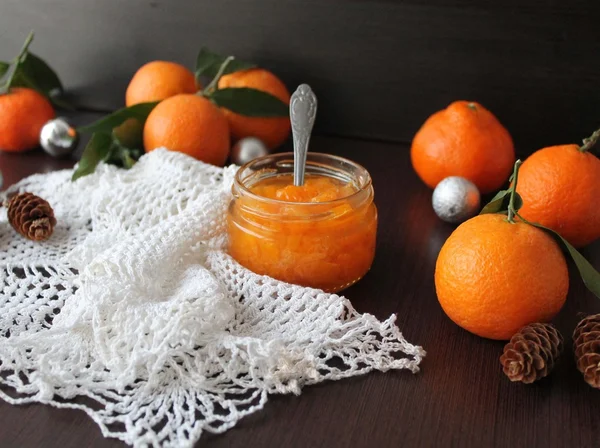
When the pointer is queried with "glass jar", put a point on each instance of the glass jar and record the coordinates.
(328, 245)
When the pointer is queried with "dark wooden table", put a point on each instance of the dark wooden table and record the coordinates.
(460, 397)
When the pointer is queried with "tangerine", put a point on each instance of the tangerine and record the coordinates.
(493, 277)
(560, 187)
(190, 124)
(158, 80)
(23, 113)
(466, 140)
(273, 131)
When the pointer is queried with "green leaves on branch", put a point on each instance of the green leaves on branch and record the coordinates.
(117, 139)
(242, 100)
(108, 123)
(509, 202)
(38, 75)
(105, 147)
(97, 150)
(249, 102)
(500, 203)
(31, 71)
(589, 275)
(209, 63)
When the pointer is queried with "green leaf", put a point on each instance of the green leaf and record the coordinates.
(33, 72)
(39, 74)
(130, 134)
(128, 161)
(518, 202)
(108, 123)
(123, 156)
(13, 77)
(21, 79)
(500, 202)
(4, 66)
(208, 64)
(115, 156)
(589, 275)
(97, 150)
(249, 102)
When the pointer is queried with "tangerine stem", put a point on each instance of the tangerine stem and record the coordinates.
(513, 192)
(17, 61)
(25, 47)
(590, 142)
(213, 84)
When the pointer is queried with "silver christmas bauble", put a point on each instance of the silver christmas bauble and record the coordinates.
(455, 199)
(57, 138)
(248, 149)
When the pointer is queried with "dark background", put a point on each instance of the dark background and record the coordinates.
(379, 67)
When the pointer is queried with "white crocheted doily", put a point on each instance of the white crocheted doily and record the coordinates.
(133, 312)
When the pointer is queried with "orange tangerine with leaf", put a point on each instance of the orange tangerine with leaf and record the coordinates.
(560, 187)
(273, 131)
(498, 272)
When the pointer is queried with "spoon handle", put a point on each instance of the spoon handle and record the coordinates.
(303, 109)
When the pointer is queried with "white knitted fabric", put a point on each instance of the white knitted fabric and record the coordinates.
(133, 312)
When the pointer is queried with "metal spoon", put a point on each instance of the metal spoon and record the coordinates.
(303, 109)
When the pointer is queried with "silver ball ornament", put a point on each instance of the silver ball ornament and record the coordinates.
(248, 149)
(455, 199)
(58, 138)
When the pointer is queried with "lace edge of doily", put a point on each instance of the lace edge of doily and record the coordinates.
(382, 358)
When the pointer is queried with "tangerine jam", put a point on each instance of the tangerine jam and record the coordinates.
(321, 234)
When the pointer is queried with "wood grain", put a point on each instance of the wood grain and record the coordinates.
(460, 398)
(379, 68)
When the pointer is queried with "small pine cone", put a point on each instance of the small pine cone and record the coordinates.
(31, 216)
(531, 353)
(586, 340)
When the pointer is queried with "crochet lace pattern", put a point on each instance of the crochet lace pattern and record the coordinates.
(134, 313)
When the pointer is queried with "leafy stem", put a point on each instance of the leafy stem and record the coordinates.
(240, 100)
(509, 202)
(213, 84)
(512, 209)
(18, 60)
(25, 47)
(590, 142)
(589, 275)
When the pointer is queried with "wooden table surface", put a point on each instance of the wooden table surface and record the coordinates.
(460, 397)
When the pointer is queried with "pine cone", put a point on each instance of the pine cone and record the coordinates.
(531, 353)
(586, 340)
(31, 216)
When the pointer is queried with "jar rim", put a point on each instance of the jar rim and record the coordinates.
(239, 183)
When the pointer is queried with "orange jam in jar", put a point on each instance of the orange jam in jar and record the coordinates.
(321, 234)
